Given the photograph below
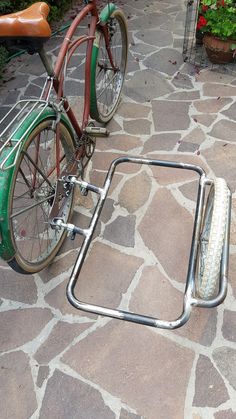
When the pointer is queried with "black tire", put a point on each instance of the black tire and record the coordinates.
(106, 84)
(34, 181)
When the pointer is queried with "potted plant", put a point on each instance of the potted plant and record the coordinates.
(217, 23)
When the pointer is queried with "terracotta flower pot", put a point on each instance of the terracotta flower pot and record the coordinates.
(218, 51)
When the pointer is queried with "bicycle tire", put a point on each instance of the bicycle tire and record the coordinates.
(106, 85)
(212, 240)
(33, 181)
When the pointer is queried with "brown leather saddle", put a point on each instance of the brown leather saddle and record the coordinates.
(27, 29)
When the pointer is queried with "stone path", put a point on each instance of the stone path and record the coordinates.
(60, 363)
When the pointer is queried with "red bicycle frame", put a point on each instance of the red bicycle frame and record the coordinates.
(66, 51)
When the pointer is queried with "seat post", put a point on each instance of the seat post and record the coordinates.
(46, 62)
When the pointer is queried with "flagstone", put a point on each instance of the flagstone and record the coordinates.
(133, 65)
(124, 414)
(233, 223)
(43, 373)
(135, 192)
(138, 4)
(120, 142)
(183, 81)
(174, 237)
(167, 60)
(151, 21)
(94, 284)
(31, 91)
(127, 372)
(16, 82)
(172, 9)
(232, 272)
(107, 210)
(171, 25)
(66, 396)
(156, 37)
(224, 130)
(126, 110)
(221, 158)
(155, 296)
(195, 136)
(146, 85)
(189, 190)
(59, 266)
(231, 112)
(170, 115)
(229, 325)
(164, 141)
(188, 147)
(201, 327)
(121, 231)
(16, 386)
(225, 414)
(211, 105)
(77, 104)
(98, 178)
(113, 125)
(11, 98)
(214, 77)
(61, 336)
(141, 50)
(57, 299)
(137, 126)
(167, 175)
(204, 119)
(178, 44)
(24, 325)
(210, 390)
(185, 96)
(18, 287)
(180, 17)
(218, 90)
(102, 161)
(225, 359)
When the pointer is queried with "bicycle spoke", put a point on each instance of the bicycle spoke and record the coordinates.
(32, 206)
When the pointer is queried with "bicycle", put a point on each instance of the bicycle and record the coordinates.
(52, 192)
(43, 142)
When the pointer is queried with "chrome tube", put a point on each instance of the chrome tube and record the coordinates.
(189, 299)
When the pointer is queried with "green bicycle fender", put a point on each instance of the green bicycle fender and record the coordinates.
(104, 16)
(106, 12)
(7, 250)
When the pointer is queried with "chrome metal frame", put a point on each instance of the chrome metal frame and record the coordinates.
(25, 108)
(189, 299)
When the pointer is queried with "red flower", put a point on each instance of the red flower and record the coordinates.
(205, 8)
(201, 22)
(223, 3)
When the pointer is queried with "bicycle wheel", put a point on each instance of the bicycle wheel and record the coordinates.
(212, 240)
(32, 194)
(107, 80)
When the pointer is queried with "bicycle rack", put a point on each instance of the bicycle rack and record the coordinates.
(189, 299)
(17, 116)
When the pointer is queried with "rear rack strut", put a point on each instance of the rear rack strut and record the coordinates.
(189, 299)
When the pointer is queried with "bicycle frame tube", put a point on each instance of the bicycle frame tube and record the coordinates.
(66, 51)
(61, 62)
